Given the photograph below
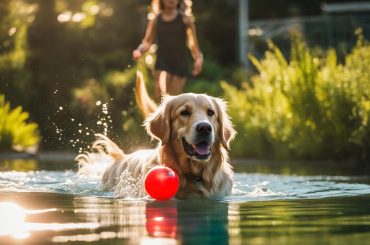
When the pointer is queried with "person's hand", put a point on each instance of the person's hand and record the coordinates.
(198, 66)
(136, 54)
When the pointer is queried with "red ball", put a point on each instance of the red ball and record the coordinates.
(161, 183)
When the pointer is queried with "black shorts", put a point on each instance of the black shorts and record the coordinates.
(174, 65)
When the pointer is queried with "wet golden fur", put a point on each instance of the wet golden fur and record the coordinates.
(169, 126)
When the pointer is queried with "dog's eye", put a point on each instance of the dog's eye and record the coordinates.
(210, 112)
(185, 113)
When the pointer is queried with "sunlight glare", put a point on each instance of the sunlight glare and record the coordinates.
(78, 17)
(149, 59)
(154, 241)
(158, 219)
(12, 31)
(107, 12)
(151, 16)
(65, 16)
(257, 31)
(94, 10)
(12, 220)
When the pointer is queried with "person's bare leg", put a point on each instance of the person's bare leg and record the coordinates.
(175, 84)
(163, 77)
(157, 91)
(160, 84)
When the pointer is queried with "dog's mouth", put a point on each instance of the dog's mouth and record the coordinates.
(201, 150)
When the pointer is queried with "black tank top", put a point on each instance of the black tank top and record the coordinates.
(172, 53)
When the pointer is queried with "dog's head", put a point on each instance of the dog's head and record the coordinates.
(195, 124)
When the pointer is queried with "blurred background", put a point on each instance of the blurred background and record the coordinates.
(295, 74)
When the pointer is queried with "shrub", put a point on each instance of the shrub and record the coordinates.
(15, 132)
(310, 107)
(208, 80)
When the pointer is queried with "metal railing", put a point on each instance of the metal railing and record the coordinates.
(335, 31)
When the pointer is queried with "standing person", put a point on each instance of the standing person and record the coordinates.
(173, 30)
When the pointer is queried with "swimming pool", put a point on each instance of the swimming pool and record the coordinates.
(54, 205)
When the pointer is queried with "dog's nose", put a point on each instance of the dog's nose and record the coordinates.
(204, 129)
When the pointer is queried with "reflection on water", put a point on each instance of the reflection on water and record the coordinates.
(42, 207)
(128, 218)
(67, 218)
(194, 221)
(312, 221)
(161, 219)
(13, 222)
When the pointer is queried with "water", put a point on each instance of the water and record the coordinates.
(55, 205)
(247, 187)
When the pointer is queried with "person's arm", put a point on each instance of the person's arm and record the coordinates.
(194, 46)
(147, 41)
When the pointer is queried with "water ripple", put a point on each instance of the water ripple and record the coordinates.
(247, 187)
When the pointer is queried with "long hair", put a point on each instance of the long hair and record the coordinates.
(184, 7)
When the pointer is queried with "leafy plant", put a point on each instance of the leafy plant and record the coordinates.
(308, 107)
(15, 132)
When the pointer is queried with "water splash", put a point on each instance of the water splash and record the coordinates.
(247, 187)
(104, 118)
(103, 125)
(67, 182)
(129, 187)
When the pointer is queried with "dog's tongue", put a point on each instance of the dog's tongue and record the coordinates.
(202, 148)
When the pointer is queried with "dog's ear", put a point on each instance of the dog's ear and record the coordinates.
(226, 129)
(158, 124)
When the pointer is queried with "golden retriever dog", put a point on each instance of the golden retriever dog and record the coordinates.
(194, 133)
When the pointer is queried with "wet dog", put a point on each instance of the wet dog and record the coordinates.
(194, 133)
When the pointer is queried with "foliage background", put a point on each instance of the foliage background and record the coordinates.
(68, 63)
(306, 107)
